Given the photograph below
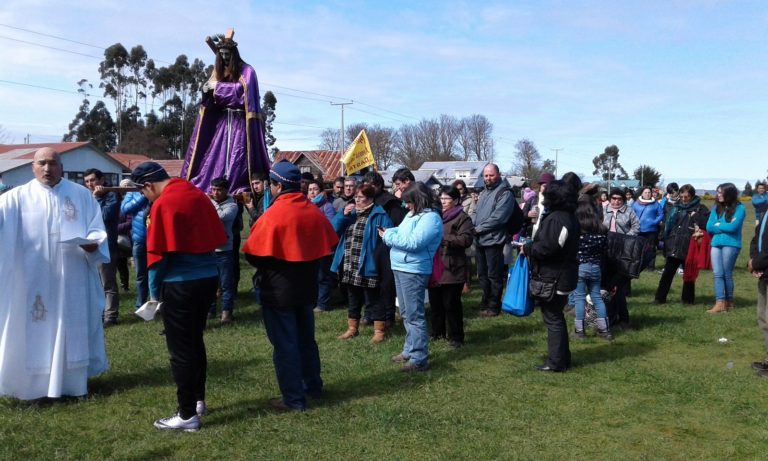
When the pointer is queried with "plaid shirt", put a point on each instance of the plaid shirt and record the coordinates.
(353, 247)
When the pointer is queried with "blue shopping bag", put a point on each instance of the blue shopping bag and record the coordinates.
(516, 300)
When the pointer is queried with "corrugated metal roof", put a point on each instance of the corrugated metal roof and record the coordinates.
(328, 161)
(17, 155)
(129, 160)
(59, 147)
(173, 167)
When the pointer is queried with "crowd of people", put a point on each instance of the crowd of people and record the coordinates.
(380, 250)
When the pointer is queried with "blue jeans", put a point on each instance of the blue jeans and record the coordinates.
(296, 356)
(140, 264)
(410, 295)
(723, 262)
(226, 281)
(324, 283)
(589, 283)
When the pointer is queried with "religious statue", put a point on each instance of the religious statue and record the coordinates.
(228, 136)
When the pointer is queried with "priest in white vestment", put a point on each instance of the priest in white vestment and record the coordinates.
(52, 240)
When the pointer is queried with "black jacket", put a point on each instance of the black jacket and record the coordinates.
(759, 258)
(547, 258)
(679, 229)
(392, 205)
(279, 279)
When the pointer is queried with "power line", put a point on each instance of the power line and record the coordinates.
(376, 115)
(53, 36)
(50, 47)
(38, 86)
(306, 92)
(299, 124)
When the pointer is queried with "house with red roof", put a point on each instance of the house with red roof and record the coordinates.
(16, 162)
(326, 163)
(131, 161)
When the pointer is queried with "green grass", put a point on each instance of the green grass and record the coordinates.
(661, 391)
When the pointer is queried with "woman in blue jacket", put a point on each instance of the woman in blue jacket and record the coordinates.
(413, 245)
(357, 225)
(725, 224)
(650, 213)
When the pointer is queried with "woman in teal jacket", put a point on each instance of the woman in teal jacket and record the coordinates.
(357, 225)
(724, 224)
(413, 245)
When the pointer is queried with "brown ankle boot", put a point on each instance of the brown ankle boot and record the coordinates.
(728, 305)
(352, 326)
(379, 331)
(718, 307)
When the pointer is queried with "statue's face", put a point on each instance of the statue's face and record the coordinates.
(225, 54)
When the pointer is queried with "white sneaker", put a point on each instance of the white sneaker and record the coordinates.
(200, 408)
(176, 423)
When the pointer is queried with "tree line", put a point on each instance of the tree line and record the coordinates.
(440, 139)
(134, 85)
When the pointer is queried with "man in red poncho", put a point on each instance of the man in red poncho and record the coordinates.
(286, 244)
(182, 233)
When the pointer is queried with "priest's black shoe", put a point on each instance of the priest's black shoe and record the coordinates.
(545, 367)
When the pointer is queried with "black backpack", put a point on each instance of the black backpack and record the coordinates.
(515, 222)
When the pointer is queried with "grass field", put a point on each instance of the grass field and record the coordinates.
(665, 390)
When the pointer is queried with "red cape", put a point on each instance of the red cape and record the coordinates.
(292, 229)
(182, 220)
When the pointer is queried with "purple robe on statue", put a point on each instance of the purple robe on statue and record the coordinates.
(228, 138)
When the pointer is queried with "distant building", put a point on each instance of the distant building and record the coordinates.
(325, 163)
(419, 175)
(130, 161)
(16, 162)
(470, 172)
(633, 184)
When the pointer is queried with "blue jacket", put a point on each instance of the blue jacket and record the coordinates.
(414, 242)
(378, 217)
(110, 212)
(326, 207)
(724, 233)
(760, 202)
(134, 203)
(650, 215)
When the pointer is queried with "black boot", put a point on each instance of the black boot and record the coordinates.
(603, 331)
(689, 293)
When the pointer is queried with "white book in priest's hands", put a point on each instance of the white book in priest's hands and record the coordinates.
(79, 241)
(148, 310)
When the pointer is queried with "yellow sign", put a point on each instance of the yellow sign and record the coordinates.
(358, 155)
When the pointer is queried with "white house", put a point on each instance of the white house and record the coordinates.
(470, 172)
(16, 162)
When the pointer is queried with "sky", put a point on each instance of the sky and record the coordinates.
(681, 86)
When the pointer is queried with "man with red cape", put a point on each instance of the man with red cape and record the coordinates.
(286, 244)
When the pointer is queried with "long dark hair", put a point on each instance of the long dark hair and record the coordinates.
(421, 196)
(730, 200)
(229, 71)
(560, 196)
(589, 220)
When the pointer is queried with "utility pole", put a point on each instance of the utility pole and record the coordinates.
(557, 151)
(341, 133)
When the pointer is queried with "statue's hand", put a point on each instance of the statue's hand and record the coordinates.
(209, 86)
